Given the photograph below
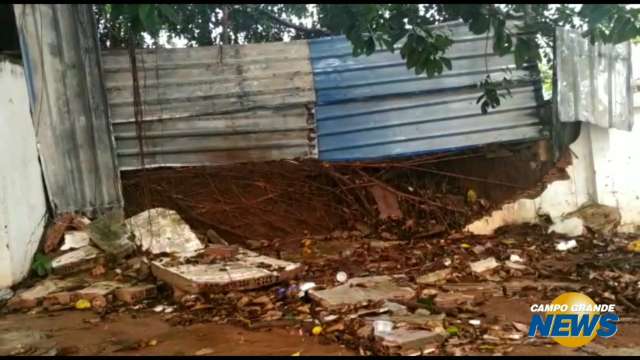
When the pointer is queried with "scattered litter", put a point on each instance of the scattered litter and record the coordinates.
(446, 262)
(83, 304)
(484, 265)
(341, 276)
(163, 308)
(453, 330)
(566, 245)
(475, 322)
(75, 240)
(515, 258)
(304, 289)
(317, 330)
(381, 327)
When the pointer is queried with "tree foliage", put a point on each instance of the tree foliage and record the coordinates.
(373, 27)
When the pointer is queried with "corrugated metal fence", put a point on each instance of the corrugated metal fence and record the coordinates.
(69, 108)
(594, 81)
(373, 106)
(213, 105)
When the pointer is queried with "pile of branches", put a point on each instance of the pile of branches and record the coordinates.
(280, 199)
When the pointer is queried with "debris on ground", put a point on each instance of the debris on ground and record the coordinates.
(75, 239)
(362, 289)
(387, 202)
(247, 270)
(32, 297)
(566, 245)
(56, 231)
(135, 294)
(163, 231)
(5, 294)
(598, 218)
(435, 277)
(408, 342)
(391, 272)
(634, 246)
(109, 233)
(77, 260)
(484, 265)
(29, 342)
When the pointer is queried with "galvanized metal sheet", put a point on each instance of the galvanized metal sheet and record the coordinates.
(594, 81)
(213, 105)
(61, 55)
(373, 106)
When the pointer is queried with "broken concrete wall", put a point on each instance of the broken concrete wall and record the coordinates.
(22, 199)
(605, 169)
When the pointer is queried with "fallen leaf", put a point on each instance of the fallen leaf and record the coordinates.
(453, 330)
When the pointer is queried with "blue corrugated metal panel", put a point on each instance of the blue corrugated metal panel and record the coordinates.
(373, 107)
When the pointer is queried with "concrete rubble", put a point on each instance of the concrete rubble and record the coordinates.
(80, 259)
(484, 265)
(435, 277)
(75, 239)
(407, 341)
(109, 233)
(157, 231)
(247, 270)
(398, 302)
(362, 289)
(34, 296)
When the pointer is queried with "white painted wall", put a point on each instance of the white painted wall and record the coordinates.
(22, 197)
(605, 169)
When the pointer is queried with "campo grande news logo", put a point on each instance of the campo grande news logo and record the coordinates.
(573, 320)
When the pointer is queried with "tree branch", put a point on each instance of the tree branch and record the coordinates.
(294, 26)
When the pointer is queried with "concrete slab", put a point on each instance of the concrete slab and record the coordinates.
(362, 289)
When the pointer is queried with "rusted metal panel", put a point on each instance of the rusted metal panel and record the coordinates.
(374, 107)
(213, 105)
(594, 81)
(62, 64)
